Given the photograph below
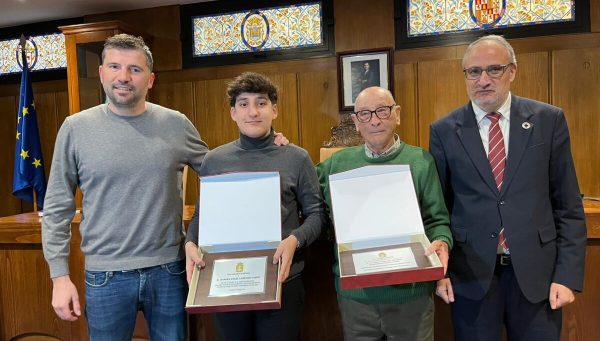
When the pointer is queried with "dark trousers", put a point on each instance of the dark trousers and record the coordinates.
(504, 304)
(264, 325)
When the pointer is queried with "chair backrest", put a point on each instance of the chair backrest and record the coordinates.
(325, 153)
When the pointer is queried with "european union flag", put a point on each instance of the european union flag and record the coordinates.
(29, 165)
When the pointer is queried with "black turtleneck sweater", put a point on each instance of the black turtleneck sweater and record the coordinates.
(300, 190)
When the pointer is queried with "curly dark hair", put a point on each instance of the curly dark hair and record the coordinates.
(251, 82)
(128, 42)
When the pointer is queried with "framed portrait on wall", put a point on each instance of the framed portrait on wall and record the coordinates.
(358, 70)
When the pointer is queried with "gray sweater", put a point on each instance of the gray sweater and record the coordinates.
(129, 170)
(300, 191)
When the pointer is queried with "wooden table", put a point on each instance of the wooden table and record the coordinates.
(26, 289)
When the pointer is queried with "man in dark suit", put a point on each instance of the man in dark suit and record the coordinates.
(368, 77)
(516, 213)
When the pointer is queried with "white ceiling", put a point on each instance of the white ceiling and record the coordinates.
(21, 12)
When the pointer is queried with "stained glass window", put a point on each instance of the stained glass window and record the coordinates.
(264, 29)
(430, 17)
(51, 53)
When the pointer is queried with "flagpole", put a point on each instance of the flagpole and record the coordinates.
(23, 43)
(34, 201)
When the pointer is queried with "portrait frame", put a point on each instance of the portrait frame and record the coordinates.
(358, 70)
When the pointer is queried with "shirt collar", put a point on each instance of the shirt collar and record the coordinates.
(394, 147)
(504, 110)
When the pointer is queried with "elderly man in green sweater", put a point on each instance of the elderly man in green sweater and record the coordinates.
(397, 312)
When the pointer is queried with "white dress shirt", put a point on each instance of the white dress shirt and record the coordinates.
(484, 124)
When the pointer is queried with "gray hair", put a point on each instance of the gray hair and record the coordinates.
(128, 42)
(495, 39)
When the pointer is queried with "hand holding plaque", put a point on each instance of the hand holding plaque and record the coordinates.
(284, 254)
(193, 259)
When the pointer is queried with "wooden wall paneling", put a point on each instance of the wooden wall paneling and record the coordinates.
(322, 320)
(287, 107)
(7, 299)
(38, 87)
(62, 106)
(595, 16)
(9, 204)
(429, 54)
(180, 97)
(441, 89)
(213, 118)
(363, 25)
(162, 23)
(201, 327)
(73, 79)
(33, 313)
(318, 108)
(90, 93)
(176, 96)
(580, 319)
(575, 84)
(532, 79)
(405, 94)
(231, 71)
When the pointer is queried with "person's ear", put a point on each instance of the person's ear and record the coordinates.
(355, 120)
(397, 109)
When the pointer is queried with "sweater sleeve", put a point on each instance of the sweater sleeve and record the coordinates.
(192, 231)
(311, 204)
(193, 227)
(195, 148)
(431, 201)
(60, 203)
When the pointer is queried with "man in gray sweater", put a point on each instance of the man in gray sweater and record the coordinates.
(127, 158)
(253, 99)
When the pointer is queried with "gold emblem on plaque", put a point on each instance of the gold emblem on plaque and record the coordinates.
(239, 267)
(382, 255)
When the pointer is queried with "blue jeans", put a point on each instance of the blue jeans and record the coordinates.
(113, 299)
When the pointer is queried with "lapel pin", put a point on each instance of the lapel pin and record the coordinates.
(526, 125)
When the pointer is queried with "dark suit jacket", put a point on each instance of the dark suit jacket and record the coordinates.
(539, 206)
(369, 79)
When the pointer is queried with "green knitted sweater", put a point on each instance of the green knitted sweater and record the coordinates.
(431, 202)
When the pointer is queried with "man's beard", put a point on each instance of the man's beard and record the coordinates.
(122, 101)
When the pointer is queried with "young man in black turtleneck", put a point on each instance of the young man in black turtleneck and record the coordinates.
(253, 100)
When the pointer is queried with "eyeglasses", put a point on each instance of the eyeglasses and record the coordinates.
(382, 113)
(493, 71)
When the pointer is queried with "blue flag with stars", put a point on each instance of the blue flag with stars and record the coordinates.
(29, 165)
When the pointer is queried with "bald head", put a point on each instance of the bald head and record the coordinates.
(376, 117)
(373, 92)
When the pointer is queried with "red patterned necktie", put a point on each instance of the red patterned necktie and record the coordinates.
(497, 159)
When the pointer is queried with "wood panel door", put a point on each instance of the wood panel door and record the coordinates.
(576, 88)
(318, 109)
(441, 89)
(9, 204)
(405, 94)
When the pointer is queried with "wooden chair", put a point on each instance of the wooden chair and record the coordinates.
(325, 153)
